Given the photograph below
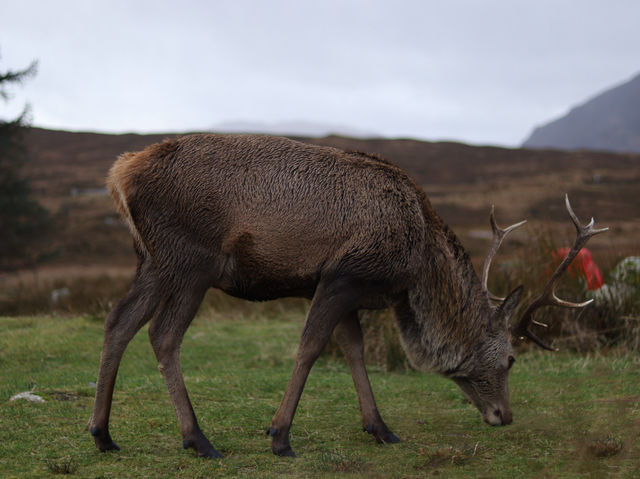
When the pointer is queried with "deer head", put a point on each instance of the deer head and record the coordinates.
(485, 380)
(487, 387)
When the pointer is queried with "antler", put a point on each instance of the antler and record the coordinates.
(498, 235)
(548, 296)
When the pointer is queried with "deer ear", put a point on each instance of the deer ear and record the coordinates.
(504, 312)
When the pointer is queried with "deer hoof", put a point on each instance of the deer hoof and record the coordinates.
(203, 448)
(211, 454)
(112, 446)
(383, 435)
(280, 442)
(391, 438)
(285, 452)
(103, 440)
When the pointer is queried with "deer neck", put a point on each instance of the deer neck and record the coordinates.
(444, 316)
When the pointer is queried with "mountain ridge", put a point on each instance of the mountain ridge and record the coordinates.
(609, 121)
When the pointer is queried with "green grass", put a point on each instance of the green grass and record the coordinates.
(574, 416)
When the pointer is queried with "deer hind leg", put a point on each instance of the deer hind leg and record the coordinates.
(331, 303)
(121, 325)
(349, 336)
(165, 333)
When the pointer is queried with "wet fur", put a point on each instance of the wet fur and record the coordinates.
(261, 218)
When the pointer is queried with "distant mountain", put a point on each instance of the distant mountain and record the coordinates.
(292, 128)
(608, 122)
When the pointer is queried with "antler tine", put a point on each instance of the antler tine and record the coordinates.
(496, 241)
(548, 296)
(576, 222)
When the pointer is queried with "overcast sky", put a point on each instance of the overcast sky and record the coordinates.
(478, 71)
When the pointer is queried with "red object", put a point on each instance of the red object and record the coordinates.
(582, 265)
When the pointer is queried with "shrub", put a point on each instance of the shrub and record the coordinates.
(613, 319)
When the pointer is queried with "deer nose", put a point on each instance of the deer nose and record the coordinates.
(499, 416)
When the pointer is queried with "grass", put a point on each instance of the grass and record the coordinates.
(575, 416)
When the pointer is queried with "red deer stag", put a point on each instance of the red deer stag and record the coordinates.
(262, 218)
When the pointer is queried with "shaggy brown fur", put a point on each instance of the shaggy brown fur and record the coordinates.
(261, 218)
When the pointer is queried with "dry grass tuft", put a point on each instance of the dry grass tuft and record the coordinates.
(605, 446)
(65, 465)
(447, 456)
(337, 460)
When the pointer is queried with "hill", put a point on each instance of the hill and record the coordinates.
(608, 122)
(67, 171)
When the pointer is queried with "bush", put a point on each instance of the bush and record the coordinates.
(613, 319)
(94, 295)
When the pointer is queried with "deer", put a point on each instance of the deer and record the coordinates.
(263, 217)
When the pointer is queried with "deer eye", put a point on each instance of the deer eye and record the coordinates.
(511, 361)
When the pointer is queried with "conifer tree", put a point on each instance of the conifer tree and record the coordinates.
(23, 221)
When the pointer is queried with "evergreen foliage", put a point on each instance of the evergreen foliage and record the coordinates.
(23, 221)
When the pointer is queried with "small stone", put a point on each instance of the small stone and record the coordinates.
(27, 396)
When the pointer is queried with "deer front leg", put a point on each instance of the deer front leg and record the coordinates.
(349, 336)
(328, 307)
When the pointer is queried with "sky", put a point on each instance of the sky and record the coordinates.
(475, 71)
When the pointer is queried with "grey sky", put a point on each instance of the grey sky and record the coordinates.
(484, 71)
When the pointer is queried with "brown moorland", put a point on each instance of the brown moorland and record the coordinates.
(67, 171)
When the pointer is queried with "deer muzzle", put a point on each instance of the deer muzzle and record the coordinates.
(498, 415)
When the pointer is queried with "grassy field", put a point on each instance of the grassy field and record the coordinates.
(574, 416)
